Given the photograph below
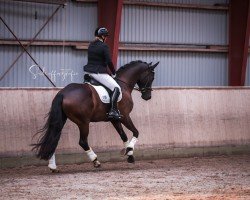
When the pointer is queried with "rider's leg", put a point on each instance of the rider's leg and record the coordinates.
(114, 112)
(110, 83)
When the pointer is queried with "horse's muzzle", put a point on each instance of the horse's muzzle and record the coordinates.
(146, 97)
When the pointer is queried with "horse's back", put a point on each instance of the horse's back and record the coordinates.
(75, 90)
(76, 98)
(82, 101)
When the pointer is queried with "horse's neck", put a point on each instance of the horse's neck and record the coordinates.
(130, 77)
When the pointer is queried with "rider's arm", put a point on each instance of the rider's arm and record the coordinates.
(108, 59)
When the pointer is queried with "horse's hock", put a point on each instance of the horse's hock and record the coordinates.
(175, 122)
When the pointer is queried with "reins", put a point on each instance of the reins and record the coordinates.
(124, 82)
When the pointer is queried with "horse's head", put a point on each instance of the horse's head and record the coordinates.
(146, 80)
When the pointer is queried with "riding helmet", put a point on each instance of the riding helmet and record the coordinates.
(101, 32)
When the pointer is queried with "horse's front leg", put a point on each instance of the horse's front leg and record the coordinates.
(131, 145)
(126, 142)
(119, 129)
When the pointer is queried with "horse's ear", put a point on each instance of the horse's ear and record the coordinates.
(154, 66)
(149, 64)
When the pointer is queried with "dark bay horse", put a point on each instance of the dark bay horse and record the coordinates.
(82, 105)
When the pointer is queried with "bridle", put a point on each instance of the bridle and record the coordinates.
(146, 88)
(117, 79)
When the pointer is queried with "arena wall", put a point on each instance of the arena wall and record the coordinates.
(173, 118)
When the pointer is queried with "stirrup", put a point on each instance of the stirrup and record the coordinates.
(114, 115)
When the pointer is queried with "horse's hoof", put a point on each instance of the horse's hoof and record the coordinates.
(131, 159)
(128, 149)
(96, 163)
(54, 170)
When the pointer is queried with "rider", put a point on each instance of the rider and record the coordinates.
(98, 61)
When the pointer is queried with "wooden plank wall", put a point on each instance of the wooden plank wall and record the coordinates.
(174, 117)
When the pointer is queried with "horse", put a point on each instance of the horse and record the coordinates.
(81, 104)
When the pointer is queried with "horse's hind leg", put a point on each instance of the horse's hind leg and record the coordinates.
(83, 142)
(52, 164)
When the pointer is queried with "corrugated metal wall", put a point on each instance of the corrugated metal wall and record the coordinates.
(184, 69)
(202, 2)
(62, 65)
(178, 26)
(77, 22)
(172, 25)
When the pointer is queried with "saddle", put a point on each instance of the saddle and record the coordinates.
(89, 79)
(103, 91)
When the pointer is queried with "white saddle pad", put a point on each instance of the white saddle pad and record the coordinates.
(103, 94)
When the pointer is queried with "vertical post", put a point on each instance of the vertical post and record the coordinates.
(239, 30)
(109, 16)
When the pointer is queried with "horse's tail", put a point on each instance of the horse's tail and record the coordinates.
(47, 143)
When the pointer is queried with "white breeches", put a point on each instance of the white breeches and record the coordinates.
(106, 80)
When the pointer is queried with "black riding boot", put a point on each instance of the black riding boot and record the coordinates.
(114, 112)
